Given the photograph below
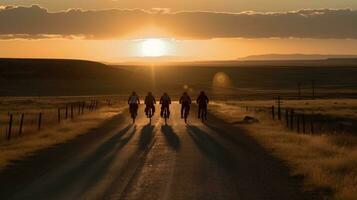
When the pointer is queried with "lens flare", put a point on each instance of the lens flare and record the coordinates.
(221, 80)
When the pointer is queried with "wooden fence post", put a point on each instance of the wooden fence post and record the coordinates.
(279, 102)
(273, 112)
(71, 111)
(90, 106)
(79, 108)
(83, 105)
(66, 111)
(10, 127)
(279, 113)
(287, 117)
(59, 115)
(303, 123)
(292, 119)
(39, 121)
(313, 89)
(298, 123)
(21, 123)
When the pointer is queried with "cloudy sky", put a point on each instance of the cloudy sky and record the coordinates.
(118, 30)
(189, 5)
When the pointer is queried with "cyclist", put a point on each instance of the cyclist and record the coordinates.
(202, 101)
(165, 102)
(150, 104)
(185, 102)
(134, 102)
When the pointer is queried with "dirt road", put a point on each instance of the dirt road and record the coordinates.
(122, 161)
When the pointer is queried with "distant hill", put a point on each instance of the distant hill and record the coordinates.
(53, 69)
(24, 77)
(295, 57)
(52, 77)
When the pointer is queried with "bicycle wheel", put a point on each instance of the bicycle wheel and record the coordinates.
(202, 116)
(150, 114)
(186, 114)
(133, 117)
(165, 115)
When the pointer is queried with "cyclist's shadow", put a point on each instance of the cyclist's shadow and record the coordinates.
(171, 137)
(146, 135)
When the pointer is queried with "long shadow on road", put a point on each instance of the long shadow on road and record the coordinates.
(105, 155)
(146, 136)
(211, 148)
(21, 173)
(97, 164)
(257, 174)
(171, 137)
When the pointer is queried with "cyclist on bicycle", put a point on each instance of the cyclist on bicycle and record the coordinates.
(165, 102)
(133, 102)
(150, 104)
(185, 102)
(202, 102)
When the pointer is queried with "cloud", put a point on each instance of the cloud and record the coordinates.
(36, 22)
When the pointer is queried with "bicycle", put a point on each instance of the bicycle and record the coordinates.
(185, 113)
(133, 113)
(165, 114)
(149, 114)
(203, 114)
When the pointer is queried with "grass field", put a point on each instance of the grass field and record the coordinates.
(346, 108)
(31, 107)
(326, 161)
(52, 133)
(329, 115)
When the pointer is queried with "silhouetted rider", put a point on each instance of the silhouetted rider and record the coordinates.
(133, 102)
(202, 101)
(150, 104)
(165, 102)
(185, 102)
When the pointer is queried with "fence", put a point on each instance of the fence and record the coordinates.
(303, 121)
(16, 124)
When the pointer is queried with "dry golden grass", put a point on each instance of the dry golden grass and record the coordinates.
(21, 147)
(328, 162)
(333, 107)
(48, 107)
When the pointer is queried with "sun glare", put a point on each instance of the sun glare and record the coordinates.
(153, 48)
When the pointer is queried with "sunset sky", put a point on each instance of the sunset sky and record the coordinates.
(134, 30)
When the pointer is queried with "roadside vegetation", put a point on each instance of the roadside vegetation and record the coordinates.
(346, 108)
(20, 147)
(328, 162)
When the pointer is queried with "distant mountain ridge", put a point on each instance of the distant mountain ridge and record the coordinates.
(56, 77)
(28, 77)
(296, 57)
(51, 69)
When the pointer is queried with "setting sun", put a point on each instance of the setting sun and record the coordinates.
(154, 48)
